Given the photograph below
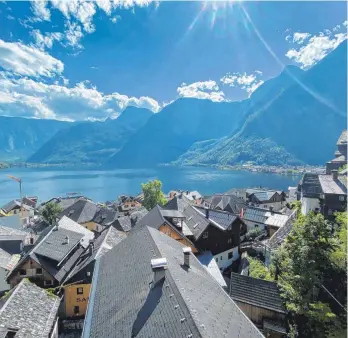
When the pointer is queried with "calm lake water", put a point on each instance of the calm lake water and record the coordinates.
(103, 185)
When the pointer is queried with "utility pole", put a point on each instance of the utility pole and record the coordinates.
(20, 190)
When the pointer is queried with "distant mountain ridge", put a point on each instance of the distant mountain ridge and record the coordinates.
(294, 118)
(92, 142)
(21, 137)
(300, 125)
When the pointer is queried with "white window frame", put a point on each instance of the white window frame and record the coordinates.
(205, 235)
(48, 282)
(341, 198)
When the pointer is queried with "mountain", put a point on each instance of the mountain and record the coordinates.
(300, 124)
(92, 142)
(21, 137)
(171, 132)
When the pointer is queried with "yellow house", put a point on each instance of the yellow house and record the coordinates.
(76, 299)
(78, 283)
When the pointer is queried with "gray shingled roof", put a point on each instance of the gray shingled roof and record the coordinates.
(82, 211)
(11, 205)
(8, 234)
(188, 303)
(229, 203)
(29, 309)
(5, 259)
(58, 244)
(106, 241)
(222, 218)
(152, 219)
(256, 292)
(195, 221)
(177, 203)
(123, 223)
(332, 186)
(343, 138)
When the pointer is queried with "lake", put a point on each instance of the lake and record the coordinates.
(103, 185)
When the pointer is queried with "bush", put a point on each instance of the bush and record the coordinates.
(252, 234)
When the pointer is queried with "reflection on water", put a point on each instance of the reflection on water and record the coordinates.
(102, 185)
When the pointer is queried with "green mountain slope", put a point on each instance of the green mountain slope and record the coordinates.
(92, 142)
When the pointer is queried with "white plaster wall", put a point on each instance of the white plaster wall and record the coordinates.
(222, 258)
(309, 204)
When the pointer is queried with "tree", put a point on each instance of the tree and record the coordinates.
(153, 194)
(50, 212)
(304, 264)
(258, 270)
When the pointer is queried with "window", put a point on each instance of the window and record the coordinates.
(31, 240)
(256, 225)
(220, 258)
(205, 235)
(217, 260)
(48, 282)
(39, 271)
(329, 212)
(22, 272)
(341, 198)
(79, 291)
(230, 255)
(76, 310)
(229, 240)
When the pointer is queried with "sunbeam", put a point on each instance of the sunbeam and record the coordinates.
(266, 45)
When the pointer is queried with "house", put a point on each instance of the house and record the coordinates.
(323, 193)
(19, 207)
(55, 253)
(64, 202)
(29, 311)
(6, 262)
(266, 198)
(260, 300)
(167, 222)
(230, 203)
(89, 215)
(78, 282)
(123, 223)
(129, 203)
(150, 285)
(264, 219)
(340, 155)
(13, 241)
(216, 231)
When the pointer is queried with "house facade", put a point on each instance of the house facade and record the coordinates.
(340, 154)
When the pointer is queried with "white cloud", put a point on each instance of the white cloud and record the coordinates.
(79, 14)
(316, 49)
(202, 90)
(41, 11)
(26, 97)
(345, 24)
(115, 19)
(247, 82)
(26, 60)
(45, 41)
(300, 37)
(73, 35)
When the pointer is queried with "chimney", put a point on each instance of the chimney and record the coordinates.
(187, 250)
(207, 213)
(159, 266)
(334, 174)
(66, 239)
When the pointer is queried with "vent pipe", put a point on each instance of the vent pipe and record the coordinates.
(207, 213)
(159, 267)
(187, 250)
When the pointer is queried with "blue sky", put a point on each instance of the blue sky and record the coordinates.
(79, 60)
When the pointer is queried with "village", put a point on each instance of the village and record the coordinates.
(156, 265)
